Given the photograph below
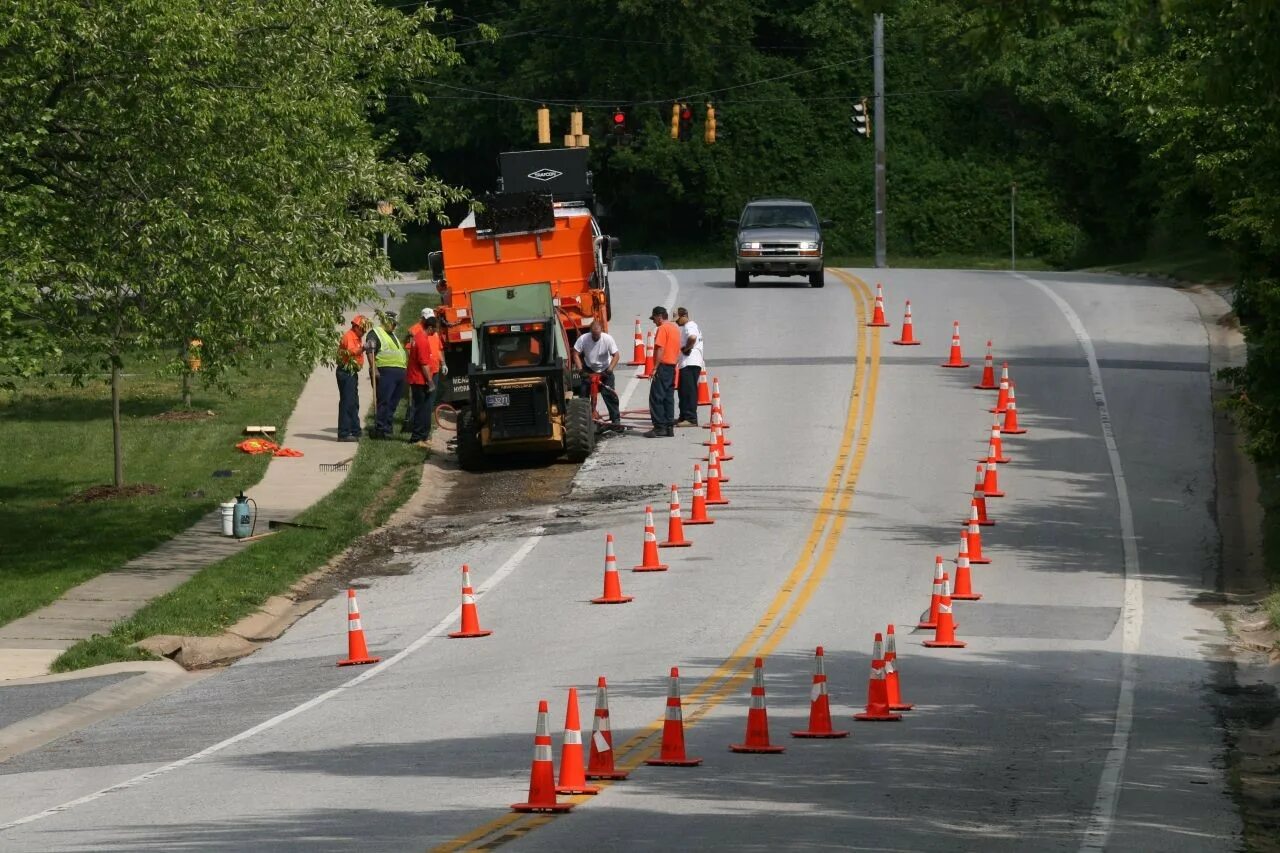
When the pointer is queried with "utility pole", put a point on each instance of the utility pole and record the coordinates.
(1013, 226)
(878, 86)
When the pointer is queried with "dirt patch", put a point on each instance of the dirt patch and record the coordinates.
(111, 493)
(181, 415)
(381, 497)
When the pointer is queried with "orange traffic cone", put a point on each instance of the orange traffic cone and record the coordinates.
(612, 585)
(542, 776)
(891, 684)
(988, 382)
(931, 618)
(649, 561)
(964, 579)
(600, 762)
(973, 538)
(877, 313)
(1011, 414)
(646, 372)
(991, 483)
(470, 617)
(996, 444)
(717, 402)
(944, 636)
(908, 338)
(717, 444)
(357, 651)
(715, 410)
(698, 514)
(637, 356)
(757, 739)
(1002, 400)
(980, 497)
(877, 710)
(714, 498)
(956, 359)
(704, 390)
(717, 431)
(819, 704)
(675, 527)
(672, 754)
(573, 777)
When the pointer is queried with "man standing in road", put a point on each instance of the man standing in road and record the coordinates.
(389, 363)
(691, 365)
(666, 352)
(421, 374)
(597, 353)
(350, 360)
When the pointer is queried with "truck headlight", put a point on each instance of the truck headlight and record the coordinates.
(750, 245)
(808, 246)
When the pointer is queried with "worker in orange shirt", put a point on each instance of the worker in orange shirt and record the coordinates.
(424, 357)
(662, 388)
(350, 361)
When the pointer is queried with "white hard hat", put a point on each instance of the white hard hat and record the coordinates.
(428, 312)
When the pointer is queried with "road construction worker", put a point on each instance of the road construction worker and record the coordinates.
(662, 394)
(423, 373)
(690, 365)
(350, 362)
(389, 361)
(597, 353)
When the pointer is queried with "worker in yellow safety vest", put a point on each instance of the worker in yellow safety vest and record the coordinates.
(387, 361)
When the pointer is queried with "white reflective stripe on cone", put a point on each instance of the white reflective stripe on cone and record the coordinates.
(600, 742)
(572, 736)
(673, 712)
(542, 752)
(354, 624)
(877, 674)
(468, 598)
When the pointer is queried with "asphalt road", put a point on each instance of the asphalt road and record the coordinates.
(1077, 718)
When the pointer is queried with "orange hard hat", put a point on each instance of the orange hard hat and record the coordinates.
(358, 320)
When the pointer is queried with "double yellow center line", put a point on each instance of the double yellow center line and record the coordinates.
(788, 603)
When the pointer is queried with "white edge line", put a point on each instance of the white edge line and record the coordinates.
(1102, 818)
(512, 563)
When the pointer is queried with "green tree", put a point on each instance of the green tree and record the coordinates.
(173, 169)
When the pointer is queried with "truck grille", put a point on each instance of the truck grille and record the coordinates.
(767, 249)
(528, 416)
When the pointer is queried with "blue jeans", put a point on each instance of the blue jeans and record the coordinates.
(689, 393)
(662, 397)
(422, 407)
(390, 390)
(348, 404)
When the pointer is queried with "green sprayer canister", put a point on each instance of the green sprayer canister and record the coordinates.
(244, 521)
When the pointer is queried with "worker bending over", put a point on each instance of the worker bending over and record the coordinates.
(597, 353)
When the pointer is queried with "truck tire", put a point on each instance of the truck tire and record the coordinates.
(740, 278)
(579, 430)
(817, 279)
(470, 454)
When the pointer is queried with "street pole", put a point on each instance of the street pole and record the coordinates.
(1013, 226)
(878, 87)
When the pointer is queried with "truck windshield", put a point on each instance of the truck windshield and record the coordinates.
(515, 350)
(779, 216)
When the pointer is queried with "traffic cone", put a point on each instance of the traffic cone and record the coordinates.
(908, 338)
(819, 704)
(996, 444)
(637, 356)
(542, 776)
(877, 312)
(716, 398)
(612, 585)
(980, 497)
(646, 372)
(1011, 414)
(717, 408)
(600, 762)
(357, 651)
(964, 577)
(649, 561)
(1003, 399)
(672, 754)
(573, 777)
(704, 390)
(931, 618)
(470, 617)
(990, 483)
(717, 442)
(891, 684)
(973, 538)
(944, 636)
(714, 498)
(956, 359)
(877, 710)
(698, 514)
(675, 527)
(988, 382)
(757, 739)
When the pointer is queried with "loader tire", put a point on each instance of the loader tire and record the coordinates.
(470, 454)
(579, 430)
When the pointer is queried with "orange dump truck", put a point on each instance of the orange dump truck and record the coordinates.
(538, 229)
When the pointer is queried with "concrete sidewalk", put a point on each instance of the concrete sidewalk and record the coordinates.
(291, 484)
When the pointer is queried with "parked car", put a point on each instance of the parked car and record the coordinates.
(634, 262)
(778, 236)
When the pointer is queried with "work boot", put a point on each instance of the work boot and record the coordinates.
(654, 433)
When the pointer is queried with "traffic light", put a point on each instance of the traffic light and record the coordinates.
(861, 118)
(675, 121)
(709, 130)
(544, 125)
(618, 124)
(686, 123)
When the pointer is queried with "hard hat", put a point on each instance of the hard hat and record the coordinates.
(358, 320)
(428, 313)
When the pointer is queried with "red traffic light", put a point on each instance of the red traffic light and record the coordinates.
(619, 118)
(686, 114)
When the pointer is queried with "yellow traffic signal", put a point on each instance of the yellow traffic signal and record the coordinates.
(709, 130)
(544, 125)
(675, 121)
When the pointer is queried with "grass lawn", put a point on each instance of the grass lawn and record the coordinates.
(58, 443)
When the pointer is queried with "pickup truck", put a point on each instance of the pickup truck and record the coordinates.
(778, 236)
